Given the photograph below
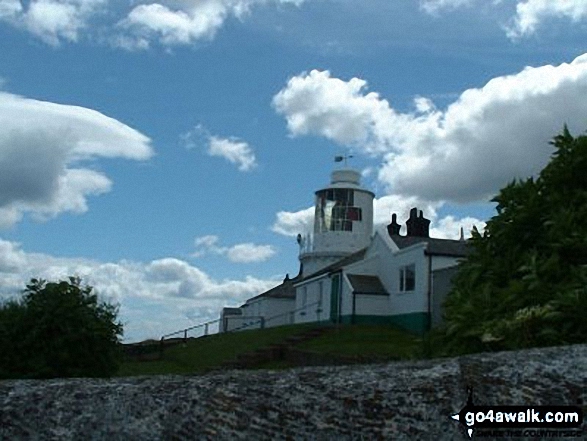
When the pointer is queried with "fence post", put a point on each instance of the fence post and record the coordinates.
(206, 329)
(262, 322)
(185, 336)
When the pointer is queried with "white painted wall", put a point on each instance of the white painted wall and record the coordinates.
(366, 304)
(439, 262)
(310, 292)
(277, 311)
(409, 301)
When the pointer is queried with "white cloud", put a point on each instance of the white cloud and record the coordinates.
(51, 20)
(433, 6)
(249, 252)
(531, 13)
(302, 222)
(235, 151)
(293, 223)
(232, 149)
(42, 145)
(449, 227)
(173, 23)
(157, 297)
(466, 152)
(239, 253)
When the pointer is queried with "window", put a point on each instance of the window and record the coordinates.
(335, 210)
(407, 278)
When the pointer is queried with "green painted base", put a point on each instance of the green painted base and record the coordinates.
(416, 322)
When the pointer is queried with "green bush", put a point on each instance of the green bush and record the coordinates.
(59, 330)
(525, 282)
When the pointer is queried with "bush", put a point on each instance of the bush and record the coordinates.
(59, 330)
(525, 283)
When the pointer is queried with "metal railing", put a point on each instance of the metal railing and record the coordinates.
(205, 325)
(258, 320)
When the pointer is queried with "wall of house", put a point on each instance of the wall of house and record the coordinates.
(440, 262)
(232, 322)
(277, 311)
(313, 301)
(368, 304)
(441, 286)
(409, 309)
(371, 305)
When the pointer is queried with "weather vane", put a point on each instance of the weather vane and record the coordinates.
(341, 158)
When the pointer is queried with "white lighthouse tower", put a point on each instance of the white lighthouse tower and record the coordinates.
(343, 222)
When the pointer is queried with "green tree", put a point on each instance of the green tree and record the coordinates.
(59, 330)
(525, 282)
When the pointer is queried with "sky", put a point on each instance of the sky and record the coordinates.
(168, 153)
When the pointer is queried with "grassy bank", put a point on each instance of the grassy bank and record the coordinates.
(202, 354)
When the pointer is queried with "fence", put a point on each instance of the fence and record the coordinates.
(257, 321)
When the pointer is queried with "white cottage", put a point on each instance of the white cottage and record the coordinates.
(349, 275)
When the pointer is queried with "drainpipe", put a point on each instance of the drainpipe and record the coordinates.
(429, 292)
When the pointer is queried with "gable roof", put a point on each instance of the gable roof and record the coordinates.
(435, 247)
(351, 258)
(285, 290)
(366, 284)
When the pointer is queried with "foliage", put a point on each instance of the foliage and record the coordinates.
(58, 330)
(525, 282)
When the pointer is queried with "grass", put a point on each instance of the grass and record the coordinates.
(382, 342)
(202, 354)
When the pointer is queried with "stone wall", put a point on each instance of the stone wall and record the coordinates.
(399, 401)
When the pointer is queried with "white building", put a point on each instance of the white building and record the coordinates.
(349, 275)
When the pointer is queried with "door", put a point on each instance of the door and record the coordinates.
(335, 299)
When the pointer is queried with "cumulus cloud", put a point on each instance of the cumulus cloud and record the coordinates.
(249, 252)
(51, 20)
(173, 23)
(290, 223)
(529, 16)
(232, 149)
(449, 227)
(531, 13)
(156, 297)
(239, 253)
(468, 151)
(433, 6)
(235, 151)
(42, 146)
(302, 222)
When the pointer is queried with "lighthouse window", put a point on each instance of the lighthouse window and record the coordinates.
(335, 210)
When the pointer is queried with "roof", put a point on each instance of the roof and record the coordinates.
(351, 258)
(231, 311)
(436, 247)
(285, 290)
(366, 284)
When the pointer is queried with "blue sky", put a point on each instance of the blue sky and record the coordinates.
(168, 152)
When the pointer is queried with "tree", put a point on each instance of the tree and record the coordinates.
(59, 330)
(525, 282)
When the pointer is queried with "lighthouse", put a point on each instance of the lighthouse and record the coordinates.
(343, 222)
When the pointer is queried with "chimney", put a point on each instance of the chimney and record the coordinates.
(418, 225)
(393, 228)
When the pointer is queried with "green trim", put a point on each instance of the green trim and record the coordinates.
(415, 322)
(335, 297)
